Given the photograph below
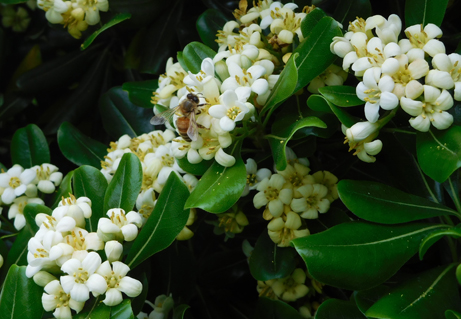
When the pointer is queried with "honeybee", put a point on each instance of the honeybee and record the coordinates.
(186, 124)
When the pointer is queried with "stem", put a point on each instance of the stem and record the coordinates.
(275, 137)
(396, 130)
(454, 197)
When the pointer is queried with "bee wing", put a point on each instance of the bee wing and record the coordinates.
(164, 116)
(192, 131)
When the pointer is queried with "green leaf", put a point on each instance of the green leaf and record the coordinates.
(29, 147)
(331, 256)
(348, 10)
(126, 184)
(435, 236)
(274, 309)
(21, 298)
(311, 20)
(179, 311)
(425, 297)
(451, 314)
(283, 88)
(180, 58)
(64, 189)
(220, 187)
(122, 310)
(79, 148)
(319, 103)
(343, 95)
(314, 52)
(439, 152)
(90, 182)
(364, 299)
(194, 53)
(123, 117)
(31, 210)
(280, 137)
(424, 12)
(384, 204)
(115, 20)
(141, 92)
(163, 225)
(159, 42)
(335, 308)
(98, 310)
(208, 25)
(195, 169)
(268, 261)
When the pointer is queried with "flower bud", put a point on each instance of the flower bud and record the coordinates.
(42, 278)
(113, 250)
(360, 131)
(221, 70)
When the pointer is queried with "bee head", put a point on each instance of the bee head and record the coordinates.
(193, 97)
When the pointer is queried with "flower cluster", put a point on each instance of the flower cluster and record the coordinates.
(76, 15)
(161, 307)
(291, 195)
(234, 83)
(15, 17)
(63, 246)
(287, 289)
(397, 73)
(155, 151)
(19, 186)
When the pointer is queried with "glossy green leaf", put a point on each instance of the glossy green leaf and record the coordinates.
(425, 11)
(29, 147)
(331, 256)
(220, 187)
(268, 261)
(122, 310)
(283, 88)
(64, 189)
(343, 95)
(364, 299)
(163, 225)
(208, 25)
(274, 309)
(114, 21)
(195, 169)
(435, 236)
(384, 204)
(458, 273)
(335, 308)
(180, 58)
(451, 314)
(126, 184)
(21, 298)
(439, 152)
(82, 100)
(179, 311)
(320, 103)
(141, 92)
(311, 20)
(279, 138)
(314, 52)
(123, 117)
(79, 148)
(159, 42)
(90, 182)
(31, 210)
(425, 297)
(194, 53)
(57, 73)
(348, 10)
(97, 310)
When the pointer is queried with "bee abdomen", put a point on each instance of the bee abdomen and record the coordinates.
(182, 124)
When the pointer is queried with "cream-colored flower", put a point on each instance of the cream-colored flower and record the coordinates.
(312, 202)
(273, 194)
(282, 230)
(292, 287)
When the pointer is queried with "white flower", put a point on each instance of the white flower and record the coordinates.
(452, 65)
(113, 250)
(312, 202)
(430, 110)
(361, 138)
(292, 287)
(16, 210)
(423, 39)
(387, 30)
(54, 9)
(406, 76)
(145, 203)
(38, 257)
(232, 108)
(376, 91)
(81, 278)
(246, 78)
(92, 8)
(360, 131)
(333, 75)
(119, 226)
(15, 181)
(47, 178)
(163, 305)
(78, 209)
(54, 298)
(273, 194)
(205, 80)
(378, 55)
(254, 176)
(117, 282)
(272, 12)
(282, 230)
(227, 36)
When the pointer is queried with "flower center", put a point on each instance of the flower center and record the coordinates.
(168, 160)
(251, 179)
(296, 180)
(271, 193)
(81, 276)
(418, 39)
(41, 253)
(119, 219)
(112, 280)
(233, 112)
(43, 174)
(15, 182)
(63, 299)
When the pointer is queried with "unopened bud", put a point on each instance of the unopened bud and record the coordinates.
(113, 250)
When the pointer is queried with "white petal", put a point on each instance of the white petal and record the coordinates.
(388, 101)
(80, 292)
(442, 120)
(224, 159)
(96, 283)
(410, 106)
(91, 262)
(260, 86)
(421, 124)
(113, 297)
(372, 112)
